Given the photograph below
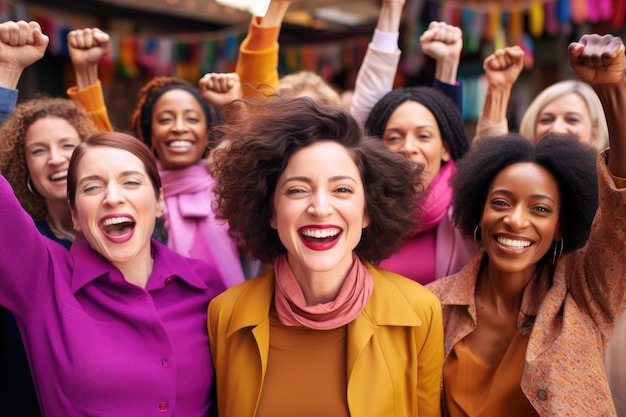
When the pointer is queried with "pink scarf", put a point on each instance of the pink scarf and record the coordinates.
(416, 257)
(350, 302)
(438, 199)
(192, 228)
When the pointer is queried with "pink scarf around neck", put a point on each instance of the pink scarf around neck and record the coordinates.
(292, 308)
(192, 227)
(438, 198)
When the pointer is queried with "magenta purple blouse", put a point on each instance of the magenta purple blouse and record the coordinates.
(98, 345)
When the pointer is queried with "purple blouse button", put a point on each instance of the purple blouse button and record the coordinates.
(164, 362)
(162, 406)
(169, 280)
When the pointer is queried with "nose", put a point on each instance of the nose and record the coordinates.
(559, 126)
(180, 125)
(409, 146)
(319, 205)
(113, 196)
(57, 156)
(516, 219)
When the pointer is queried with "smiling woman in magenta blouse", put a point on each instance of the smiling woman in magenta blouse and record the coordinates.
(117, 325)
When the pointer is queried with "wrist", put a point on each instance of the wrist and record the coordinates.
(10, 76)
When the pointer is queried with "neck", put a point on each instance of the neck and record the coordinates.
(137, 270)
(321, 287)
(60, 220)
(504, 290)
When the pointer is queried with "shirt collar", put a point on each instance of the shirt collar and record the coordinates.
(89, 265)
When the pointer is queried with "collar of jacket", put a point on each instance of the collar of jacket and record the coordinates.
(252, 307)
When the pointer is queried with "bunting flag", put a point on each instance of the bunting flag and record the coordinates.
(501, 23)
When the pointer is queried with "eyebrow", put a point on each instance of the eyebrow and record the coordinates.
(122, 174)
(510, 193)
(331, 179)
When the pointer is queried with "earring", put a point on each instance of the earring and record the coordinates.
(555, 257)
(476, 242)
(30, 187)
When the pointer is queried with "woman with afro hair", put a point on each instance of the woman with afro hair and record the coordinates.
(527, 321)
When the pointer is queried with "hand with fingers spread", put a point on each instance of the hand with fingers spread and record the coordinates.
(219, 89)
(21, 44)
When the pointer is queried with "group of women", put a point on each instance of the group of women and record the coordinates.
(520, 244)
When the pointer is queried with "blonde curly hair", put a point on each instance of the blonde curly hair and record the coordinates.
(12, 158)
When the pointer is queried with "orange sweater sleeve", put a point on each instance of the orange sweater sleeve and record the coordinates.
(257, 64)
(92, 100)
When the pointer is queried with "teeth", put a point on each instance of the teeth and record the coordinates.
(180, 144)
(513, 243)
(58, 175)
(320, 233)
(117, 220)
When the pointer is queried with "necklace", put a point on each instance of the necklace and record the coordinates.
(59, 233)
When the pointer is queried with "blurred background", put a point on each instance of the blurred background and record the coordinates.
(189, 38)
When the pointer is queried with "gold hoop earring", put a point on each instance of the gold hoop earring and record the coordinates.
(30, 187)
(555, 256)
(476, 242)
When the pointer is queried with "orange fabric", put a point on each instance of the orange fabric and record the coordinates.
(259, 37)
(474, 387)
(257, 63)
(92, 100)
(306, 372)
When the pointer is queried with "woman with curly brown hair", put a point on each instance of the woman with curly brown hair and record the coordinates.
(36, 143)
(325, 332)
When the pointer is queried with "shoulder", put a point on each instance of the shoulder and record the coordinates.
(392, 284)
(195, 272)
(251, 292)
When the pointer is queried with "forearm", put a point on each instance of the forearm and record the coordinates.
(446, 70)
(613, 98)
(390, 16)
(86, 76)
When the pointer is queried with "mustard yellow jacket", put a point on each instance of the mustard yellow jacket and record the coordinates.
(394, 357)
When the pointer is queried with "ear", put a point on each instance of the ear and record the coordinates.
(74, 217)
(160, 204)
(445, 152)
(366, 219)
(273, 224)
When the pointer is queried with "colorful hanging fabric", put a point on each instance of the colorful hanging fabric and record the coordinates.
(515, 27)
(606, 9)
(552, 19)
(536, 19)
(593, 11)
(473, 26)
(619, 11)
(579, 10)
(563, 11)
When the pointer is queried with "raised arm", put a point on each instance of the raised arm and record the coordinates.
(502, 69)
(257, 63)
(599, 61)
(378, 70)
(444, 43)
(21, 44)
(87, 47)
